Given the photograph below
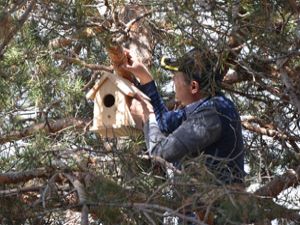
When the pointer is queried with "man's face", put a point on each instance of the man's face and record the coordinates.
(183, 90)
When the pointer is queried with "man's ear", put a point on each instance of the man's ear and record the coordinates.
(195, 87)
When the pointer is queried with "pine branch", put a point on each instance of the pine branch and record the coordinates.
(83, 64)
(154, 209)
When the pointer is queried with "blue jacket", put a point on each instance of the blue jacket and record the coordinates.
(211, 126)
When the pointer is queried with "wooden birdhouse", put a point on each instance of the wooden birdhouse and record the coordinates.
(112, 97)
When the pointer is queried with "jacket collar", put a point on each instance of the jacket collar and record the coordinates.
(189, 109)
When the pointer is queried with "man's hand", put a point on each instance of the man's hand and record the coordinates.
(141, 109)
(137, 68)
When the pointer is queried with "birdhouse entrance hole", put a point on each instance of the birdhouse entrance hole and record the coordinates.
(109, 100)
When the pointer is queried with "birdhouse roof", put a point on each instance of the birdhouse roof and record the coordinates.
(122, 84)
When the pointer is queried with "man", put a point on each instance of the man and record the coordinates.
(208, 123)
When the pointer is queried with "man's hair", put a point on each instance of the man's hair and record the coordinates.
(201, 66)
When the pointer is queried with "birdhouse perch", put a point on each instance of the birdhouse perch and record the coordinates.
(112, 96)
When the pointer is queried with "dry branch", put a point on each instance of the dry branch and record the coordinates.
(82, 196)
(61, 42)
(268, 131)
(17, 177)
(51, 127)
(91, 82)
(280, 183)
(18, 191)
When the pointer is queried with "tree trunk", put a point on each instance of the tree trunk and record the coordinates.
(140, 40)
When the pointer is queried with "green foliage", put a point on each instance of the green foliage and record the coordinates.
(36, 154)
(12, 213)
(4, 94)
(13, 56)
(234, 209)
(72, 92)
(101, 192)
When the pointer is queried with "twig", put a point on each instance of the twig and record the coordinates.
(149, 218)
(124, 34)
(83, 64)
(137, 19)
(84, 215)
(47, 189)
(91, 81)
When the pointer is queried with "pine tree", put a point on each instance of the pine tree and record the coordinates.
(52, 166)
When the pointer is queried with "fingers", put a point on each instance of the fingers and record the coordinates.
(139, 97)
(136, 107)
(144, 103)
(128, 56)
(127, 67)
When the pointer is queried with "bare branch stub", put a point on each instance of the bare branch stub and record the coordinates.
(14, 30)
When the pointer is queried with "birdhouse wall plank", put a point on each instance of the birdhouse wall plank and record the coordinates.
(112, 97)
(105, 101)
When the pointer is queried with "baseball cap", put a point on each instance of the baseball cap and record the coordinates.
(196, 65)
(173, 64)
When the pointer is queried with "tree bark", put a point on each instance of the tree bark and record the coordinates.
(139, 40)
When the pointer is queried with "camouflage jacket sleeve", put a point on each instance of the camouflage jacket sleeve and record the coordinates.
(200, 130)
